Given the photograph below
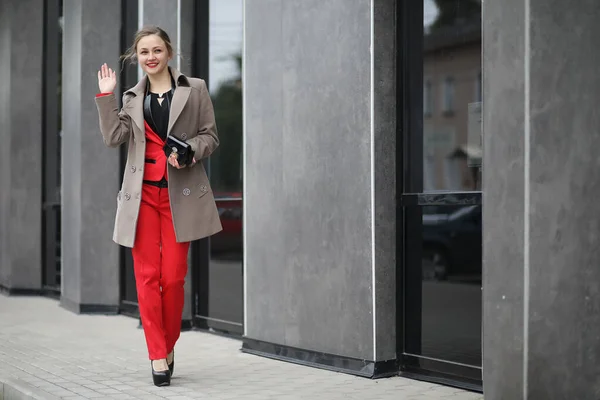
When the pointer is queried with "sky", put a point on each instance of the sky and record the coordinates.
(225, 40)
(429, 12)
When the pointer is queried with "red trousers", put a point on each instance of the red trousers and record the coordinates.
(160, 266)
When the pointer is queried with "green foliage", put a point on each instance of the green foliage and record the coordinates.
(452, 12)
(226, 163)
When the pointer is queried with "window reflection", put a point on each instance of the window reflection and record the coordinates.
(225, 279)
(225, 72)
(451, 261)
(445, 241)
(452, 95)
(52, 125)
(452, 243)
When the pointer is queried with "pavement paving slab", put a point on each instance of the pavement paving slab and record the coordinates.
(47, 352)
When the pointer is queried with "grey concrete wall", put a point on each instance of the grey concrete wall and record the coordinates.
(21, 151)
(90, 170)
(5, 136)
(541, 230)
(164, 14)
(186, 36)
(503, 197)
(308, 188)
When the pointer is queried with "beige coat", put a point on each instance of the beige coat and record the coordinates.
(192, 119)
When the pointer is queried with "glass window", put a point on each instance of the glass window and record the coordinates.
(452, 58)
(52, 126)
(448, 95)
(223, 308)
(427, 98)
(443, 232)
(225, 82)
(478, 88)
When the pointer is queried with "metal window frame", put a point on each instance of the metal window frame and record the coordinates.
(409, 156)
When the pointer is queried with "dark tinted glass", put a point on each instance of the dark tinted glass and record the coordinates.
(225, 274)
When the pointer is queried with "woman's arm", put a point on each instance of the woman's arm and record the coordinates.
(207, 140)
(114, 125)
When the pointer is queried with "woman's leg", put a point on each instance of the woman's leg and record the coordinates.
(146, 265)
(173, 272)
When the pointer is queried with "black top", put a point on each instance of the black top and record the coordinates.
(156, 111)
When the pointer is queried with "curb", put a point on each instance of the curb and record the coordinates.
(16, 389)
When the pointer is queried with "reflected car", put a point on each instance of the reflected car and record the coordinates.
(228, 242)
(452, 244)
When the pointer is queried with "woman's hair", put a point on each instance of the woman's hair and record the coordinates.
(131, 53)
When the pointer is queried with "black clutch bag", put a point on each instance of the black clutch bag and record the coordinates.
(185, 154)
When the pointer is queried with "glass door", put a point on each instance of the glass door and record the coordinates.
(127, 79)
(52, 264)
(218, 281)
(440, 78)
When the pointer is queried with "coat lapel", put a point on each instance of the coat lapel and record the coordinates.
(180, 97)
(135, 105)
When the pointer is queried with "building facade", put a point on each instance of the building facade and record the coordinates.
(406, 187)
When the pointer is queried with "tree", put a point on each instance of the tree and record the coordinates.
(226, 162)
(452, 12)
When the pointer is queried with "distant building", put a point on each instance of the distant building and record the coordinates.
(452, 84)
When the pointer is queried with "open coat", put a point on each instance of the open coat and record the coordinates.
(192, 119)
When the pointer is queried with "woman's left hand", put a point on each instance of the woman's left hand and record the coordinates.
(173, 161)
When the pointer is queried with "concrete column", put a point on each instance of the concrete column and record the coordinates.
(176, 18)
(541, 217)
(384, 174)
(21, 72)
(319, 203)
(90, 170)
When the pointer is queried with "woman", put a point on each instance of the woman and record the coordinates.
(162, 204)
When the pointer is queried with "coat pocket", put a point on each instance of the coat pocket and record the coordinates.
(203, 188)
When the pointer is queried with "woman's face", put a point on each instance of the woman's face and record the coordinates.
(152, 54)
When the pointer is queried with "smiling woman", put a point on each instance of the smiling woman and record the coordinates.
(150, 40)
(164, 202)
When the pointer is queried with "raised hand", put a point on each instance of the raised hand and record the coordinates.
(107, 79)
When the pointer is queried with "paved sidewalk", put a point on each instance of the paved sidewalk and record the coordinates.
(51, 353)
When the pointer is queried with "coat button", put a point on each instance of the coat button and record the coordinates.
(203, 188)
(133, 168)
(184, 136)
(127, 196)
(186, 192)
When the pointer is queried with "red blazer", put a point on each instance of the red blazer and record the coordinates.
(155, 167)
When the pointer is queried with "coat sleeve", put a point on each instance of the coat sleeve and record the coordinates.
(115, 125)
(205, 143)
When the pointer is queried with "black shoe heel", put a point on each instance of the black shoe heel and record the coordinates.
(172, 365)
(160, 378)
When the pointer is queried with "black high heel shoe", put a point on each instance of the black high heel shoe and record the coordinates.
(172, 365)
(160, 378)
